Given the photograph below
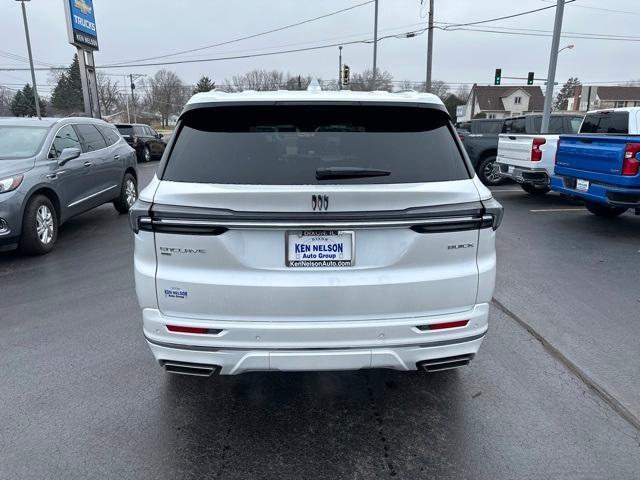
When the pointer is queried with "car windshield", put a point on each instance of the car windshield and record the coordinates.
(20, 142)
(125, 129)
(289, 145)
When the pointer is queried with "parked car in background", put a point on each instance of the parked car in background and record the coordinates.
(601, 165)
(53, 169)
(529, 158)
(314, 231)
(147, 143)
(482, 143)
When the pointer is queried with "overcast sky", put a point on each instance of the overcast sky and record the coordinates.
(133, 29)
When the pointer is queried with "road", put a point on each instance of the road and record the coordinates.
(82, 397)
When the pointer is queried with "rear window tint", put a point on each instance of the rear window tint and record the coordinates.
(606, 122)
(91, 138)
(480, 126)
(109, 133)
(286, 145)
(125, 129)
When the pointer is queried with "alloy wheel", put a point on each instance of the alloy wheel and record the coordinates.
(130, 192)
(44, 224)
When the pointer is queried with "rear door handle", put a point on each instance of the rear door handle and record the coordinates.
(116, 157)
(87, 164)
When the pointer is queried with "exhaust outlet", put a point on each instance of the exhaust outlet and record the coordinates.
(193, 369)
(448, 363)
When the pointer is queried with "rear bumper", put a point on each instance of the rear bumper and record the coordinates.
(239, 347)
(598, 192)
(523, 174)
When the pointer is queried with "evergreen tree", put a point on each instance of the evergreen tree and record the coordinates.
(24, 105)
(205, 84)
(67, 94)
(567, 91)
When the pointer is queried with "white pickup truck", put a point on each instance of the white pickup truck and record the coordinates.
(530, 159)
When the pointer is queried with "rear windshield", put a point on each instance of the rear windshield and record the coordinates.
(606, 122)
(289, 145)
(125, 129)
(480, 126)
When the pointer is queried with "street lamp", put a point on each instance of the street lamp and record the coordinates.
(568, 47)
(33, 73)
(340, 67)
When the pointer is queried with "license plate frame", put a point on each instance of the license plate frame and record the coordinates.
(338, 262)
(582, 185)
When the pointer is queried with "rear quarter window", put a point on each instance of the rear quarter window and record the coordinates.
(286, 145)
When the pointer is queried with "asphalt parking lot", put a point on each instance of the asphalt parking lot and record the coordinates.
(83, 398)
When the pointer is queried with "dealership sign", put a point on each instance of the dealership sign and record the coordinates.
(81, 24)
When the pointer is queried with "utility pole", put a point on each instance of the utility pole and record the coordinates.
(553, 61)
(429, 47)
(133, 100)
(375, 48)
(340, 67)
(33, 73)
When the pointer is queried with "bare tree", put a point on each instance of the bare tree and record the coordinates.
(257, 79)
(463, 92)
(440, 89)
(6, 98)
(364, 81)
(108, 94)
(166, 94)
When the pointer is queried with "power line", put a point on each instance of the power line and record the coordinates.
(510, 16)
(279, 29)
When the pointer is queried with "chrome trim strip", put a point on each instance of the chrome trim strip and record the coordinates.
(91, 196)
(204, 348)
(320, 224)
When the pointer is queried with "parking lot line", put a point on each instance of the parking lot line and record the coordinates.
(544, 210)
(507, 190)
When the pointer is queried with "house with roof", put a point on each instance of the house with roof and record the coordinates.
(592, 97)
(502, 101)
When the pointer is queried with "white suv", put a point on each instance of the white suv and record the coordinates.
(314, 231)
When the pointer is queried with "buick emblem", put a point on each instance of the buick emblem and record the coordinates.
(320, 203)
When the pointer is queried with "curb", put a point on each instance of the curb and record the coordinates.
(615, 404)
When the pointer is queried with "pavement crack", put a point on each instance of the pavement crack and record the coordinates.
(379, 425)
(226, 447)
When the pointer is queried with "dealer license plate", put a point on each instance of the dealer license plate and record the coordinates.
(582, 185)
(511, 169)
(319, 248)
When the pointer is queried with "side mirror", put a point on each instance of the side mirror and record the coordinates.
(160, 135)
(68, 154)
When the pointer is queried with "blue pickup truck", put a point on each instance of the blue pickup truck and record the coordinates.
(601, 165)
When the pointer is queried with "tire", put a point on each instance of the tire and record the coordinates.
(39, 227)
(128, 194)
(485, 172)
(532, 189)
(145, 154)
(604, 210)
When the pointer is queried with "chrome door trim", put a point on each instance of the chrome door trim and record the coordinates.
(91, 196)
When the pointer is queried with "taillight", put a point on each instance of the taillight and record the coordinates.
(557, 152)
(536, 153)
(461, 137)
(630, 164)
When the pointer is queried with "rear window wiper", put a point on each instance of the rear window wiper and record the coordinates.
(338, 173)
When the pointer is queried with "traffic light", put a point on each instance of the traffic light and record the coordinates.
(345, 75)
(498, 76)
(530, 78)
